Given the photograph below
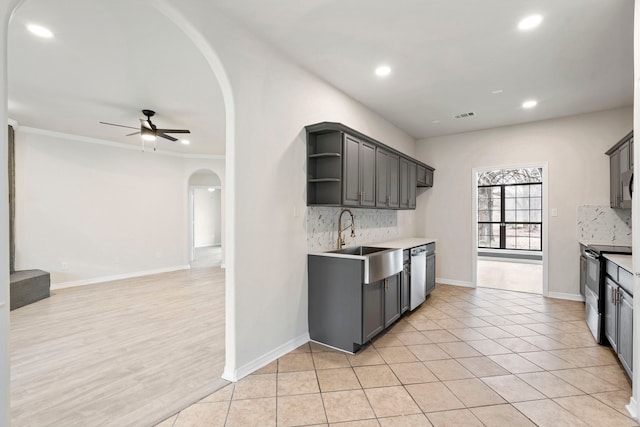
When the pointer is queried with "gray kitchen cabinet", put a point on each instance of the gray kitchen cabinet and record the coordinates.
(431, 272)
(387, 179)
(611, 313)
(618, 312)
(392, 309)
(621, 172)
(359, 172)
(625, 331)
(344, 311)
(424, 177)
(373, 303)
(408, 184)
(344, 169)
(584, 265)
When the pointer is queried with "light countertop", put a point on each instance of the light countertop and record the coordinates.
(589, 242)
(406, 243)
(623, 261)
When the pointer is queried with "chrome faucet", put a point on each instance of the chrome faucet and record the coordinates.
(340, 229)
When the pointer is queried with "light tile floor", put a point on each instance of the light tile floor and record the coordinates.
(466, 357)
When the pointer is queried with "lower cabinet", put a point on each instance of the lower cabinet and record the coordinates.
(431, 272)
(380, 306)
(372, 309)
(391, 299)
(625, 331)
(618, 322)
(345, 312)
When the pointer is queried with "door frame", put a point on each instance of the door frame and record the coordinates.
(192, 248)
(545, 218)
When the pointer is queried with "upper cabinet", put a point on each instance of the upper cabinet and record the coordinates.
(621, 172)
(348, 168)
(387, 176)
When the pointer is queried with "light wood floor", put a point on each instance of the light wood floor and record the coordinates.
(124, 353)
(510, 276)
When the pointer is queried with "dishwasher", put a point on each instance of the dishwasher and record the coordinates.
(418, 276)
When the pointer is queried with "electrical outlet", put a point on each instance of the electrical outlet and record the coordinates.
(64, 266)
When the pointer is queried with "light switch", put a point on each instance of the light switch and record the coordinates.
(554, 212)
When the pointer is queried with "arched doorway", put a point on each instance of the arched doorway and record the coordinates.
(213, 62)
(205, 219)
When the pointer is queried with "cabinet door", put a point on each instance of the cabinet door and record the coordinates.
(367, 174)
(431, 273)
(611, 313)
(614, 179)
(421, 178)
(391, 299)
(625, 331)
(351, 171)
(625, 158)
(405, 288)
(404, 183)
(372, 310)
(394, 181)
(413, 184)
(382, 177)
(429, 181)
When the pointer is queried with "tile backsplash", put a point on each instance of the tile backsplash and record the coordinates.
(601, 224)
(371, 226)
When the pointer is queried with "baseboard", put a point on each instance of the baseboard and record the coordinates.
(570, 297)
(95, 280)
(442, 281)
(632, 408)
(234, 375)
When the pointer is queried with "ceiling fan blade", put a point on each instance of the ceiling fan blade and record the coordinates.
(134, 133)
(113, 124)
(174, 130)
(162, 135)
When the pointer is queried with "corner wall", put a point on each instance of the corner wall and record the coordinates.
(578, 175)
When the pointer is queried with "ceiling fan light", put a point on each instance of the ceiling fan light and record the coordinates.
(147, 134)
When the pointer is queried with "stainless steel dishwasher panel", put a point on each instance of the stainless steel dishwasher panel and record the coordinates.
(418, 276)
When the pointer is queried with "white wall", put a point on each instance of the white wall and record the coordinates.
(273, 100)
(206, 217)
(88, 212)
(578, 175)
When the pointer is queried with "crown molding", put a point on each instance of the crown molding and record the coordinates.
(104, 142)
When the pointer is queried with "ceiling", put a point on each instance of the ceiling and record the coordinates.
(107, 64)
(448, 57)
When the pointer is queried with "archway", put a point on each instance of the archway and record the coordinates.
(217, 68)
(206, 237)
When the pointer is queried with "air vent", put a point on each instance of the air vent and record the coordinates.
(465, 115)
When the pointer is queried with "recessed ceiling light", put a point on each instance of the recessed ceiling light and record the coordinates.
(497, 91)
(529, 104)
(40, 31)
(211, 189)
(530, 22)
(383, 71)
(185, 141)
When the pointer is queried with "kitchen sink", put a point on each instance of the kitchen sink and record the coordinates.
(378, 263)
(359, 250)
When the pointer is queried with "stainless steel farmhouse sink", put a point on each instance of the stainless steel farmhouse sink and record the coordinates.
(378, 263)
(359, 250)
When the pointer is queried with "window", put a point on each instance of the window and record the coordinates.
(510, 209)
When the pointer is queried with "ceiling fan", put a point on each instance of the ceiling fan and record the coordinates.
(148, 130)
